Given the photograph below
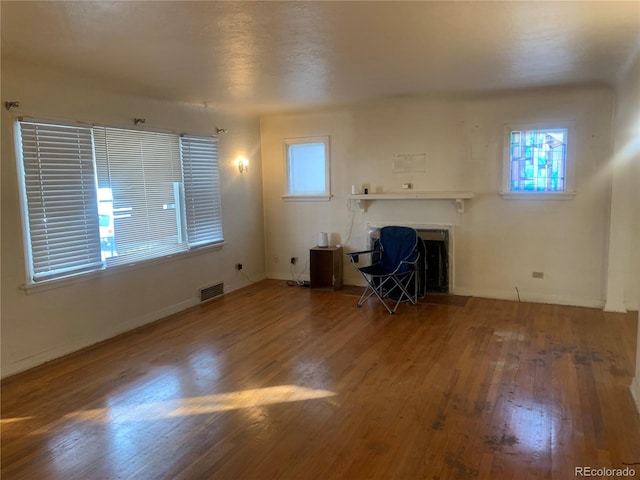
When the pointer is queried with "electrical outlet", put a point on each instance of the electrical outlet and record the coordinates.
(238, 266)
(294, 260)
(537, 274)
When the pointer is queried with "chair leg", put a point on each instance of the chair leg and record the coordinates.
(370, 290)
(367, 292)
(405, 293)
(380, 294)
(377, 291)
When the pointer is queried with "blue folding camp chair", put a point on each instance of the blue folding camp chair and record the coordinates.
(392, 272)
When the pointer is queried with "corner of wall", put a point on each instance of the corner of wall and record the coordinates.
(635, 392)
(614, 306)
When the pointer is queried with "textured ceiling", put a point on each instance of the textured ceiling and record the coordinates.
(278, 56)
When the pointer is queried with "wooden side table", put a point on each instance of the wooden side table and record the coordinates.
(326, 267)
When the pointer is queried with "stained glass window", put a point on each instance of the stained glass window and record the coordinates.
(538, 160)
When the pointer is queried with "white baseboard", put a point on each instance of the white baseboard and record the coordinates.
(623, 305)
(530, 297)
(287, 276)
(110, 331)
(496, 294)
(632, 306)
(243, 281)
(86, 341)
(611, 306)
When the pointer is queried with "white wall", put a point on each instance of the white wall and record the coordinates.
(46, 324)
(624, 273)
(498, 242)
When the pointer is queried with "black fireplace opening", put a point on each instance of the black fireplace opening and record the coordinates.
(437, 260)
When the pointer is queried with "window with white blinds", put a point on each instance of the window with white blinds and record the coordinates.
(61, 206)
(103, 196)
(140, 172)
(201, 190)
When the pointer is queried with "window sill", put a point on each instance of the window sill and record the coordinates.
(31, 288)
(306, 198)
(538, 195)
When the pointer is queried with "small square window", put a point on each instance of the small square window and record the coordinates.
(537, 161)
(307, 169)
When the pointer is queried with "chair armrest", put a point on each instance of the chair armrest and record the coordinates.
(361, 253)
(354, 257)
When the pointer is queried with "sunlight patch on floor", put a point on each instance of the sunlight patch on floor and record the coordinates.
(199, 405)
(534, 426)
(6, 421)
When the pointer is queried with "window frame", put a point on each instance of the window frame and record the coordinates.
(313, 197)
(568, 193)
(60, 279)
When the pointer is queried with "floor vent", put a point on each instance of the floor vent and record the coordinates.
(207, 293)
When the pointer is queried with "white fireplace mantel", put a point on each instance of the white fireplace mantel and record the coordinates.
(365, 199)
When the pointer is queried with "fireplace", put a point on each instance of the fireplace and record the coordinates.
(436, 243)
(435, 276)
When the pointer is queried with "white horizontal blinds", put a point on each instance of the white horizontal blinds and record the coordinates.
(62, 207)
(201, 189)
(142, 171)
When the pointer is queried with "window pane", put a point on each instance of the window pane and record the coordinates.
(307, 168)
(143, 179)
(538, 160)
(59, 183)
(105, 210)
(201, 190)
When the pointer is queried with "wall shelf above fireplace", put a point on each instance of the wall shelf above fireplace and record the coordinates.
(459, 197)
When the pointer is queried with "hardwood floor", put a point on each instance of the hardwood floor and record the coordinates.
(283, 382)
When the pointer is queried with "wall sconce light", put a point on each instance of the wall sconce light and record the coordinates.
(243, 164)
